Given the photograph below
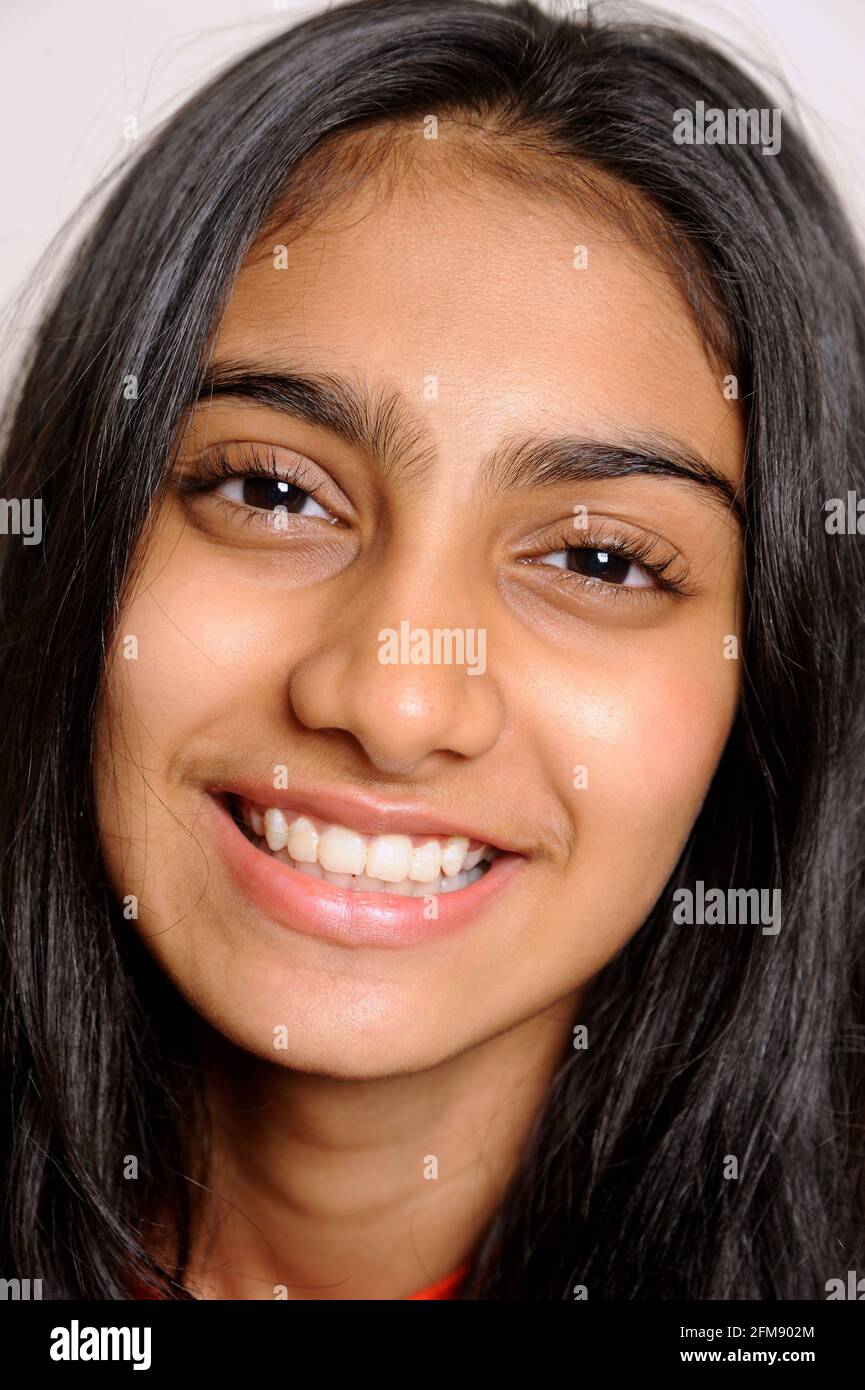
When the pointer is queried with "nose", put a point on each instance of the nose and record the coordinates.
(401, 675)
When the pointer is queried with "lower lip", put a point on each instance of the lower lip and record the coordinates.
(316, 908)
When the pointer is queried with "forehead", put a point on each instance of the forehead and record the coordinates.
(522, 310)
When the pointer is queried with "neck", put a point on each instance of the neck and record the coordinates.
(326, 1188)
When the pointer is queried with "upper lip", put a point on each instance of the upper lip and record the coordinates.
(368, 814)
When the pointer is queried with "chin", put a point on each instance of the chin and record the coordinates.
(324, 1023)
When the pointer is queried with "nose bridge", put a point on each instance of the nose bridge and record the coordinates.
(406, 669)
(428, 614)
(412, 644)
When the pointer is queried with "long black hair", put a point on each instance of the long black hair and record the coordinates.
(704, 1043)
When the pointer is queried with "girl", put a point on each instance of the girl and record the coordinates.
(436, 658)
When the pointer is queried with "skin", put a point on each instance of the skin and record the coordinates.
(447, 1048)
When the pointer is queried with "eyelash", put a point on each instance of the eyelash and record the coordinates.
(634, 552)
(216, 467)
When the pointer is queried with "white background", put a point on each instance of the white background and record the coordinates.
(71, 71)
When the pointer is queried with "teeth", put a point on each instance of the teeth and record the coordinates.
(340, 880)
(275, 830)
(368, 864)
(302, 841)
(364, 884)
(311, 870)
(426, 862)
(453, 855)
(343, 852)
(389, 857)
(404, 887)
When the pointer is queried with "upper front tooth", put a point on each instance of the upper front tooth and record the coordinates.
(342, 851)
(384, 858)
(453, 855)
(275, 829)
(426, 862)
(364, 884)
(303, 841)
(389, 857)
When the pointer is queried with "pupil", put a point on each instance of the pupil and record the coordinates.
(599, 564)
(268, 493)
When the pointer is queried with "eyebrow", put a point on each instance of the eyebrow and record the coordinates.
(383, 425)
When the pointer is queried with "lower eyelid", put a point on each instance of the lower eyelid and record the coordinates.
(572, 585)
(603, 589)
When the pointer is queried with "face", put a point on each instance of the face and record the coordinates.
(417, 689)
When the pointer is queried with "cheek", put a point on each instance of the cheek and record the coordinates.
(658, 766)
(646, 740)
(658, 772)
(633, 751)
(204, 644)
(188, 660)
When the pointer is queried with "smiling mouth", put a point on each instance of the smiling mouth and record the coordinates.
(416, 866)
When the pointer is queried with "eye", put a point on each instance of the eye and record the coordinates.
(270, 494)
(594, 562)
